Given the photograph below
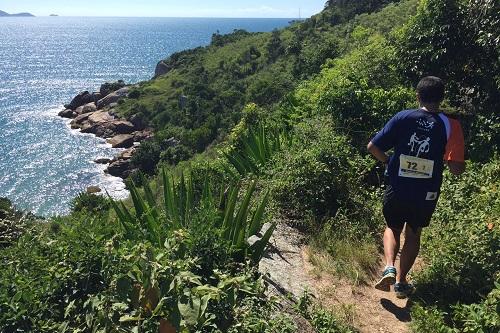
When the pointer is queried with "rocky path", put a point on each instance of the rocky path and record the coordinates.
(289, 271)
(285, 262)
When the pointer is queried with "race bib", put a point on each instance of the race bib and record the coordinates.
(415, 167)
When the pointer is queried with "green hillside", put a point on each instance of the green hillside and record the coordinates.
(201, 97)
(273, 126)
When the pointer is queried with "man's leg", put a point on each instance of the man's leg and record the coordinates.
(392, 238)
(409, 252)
(391, 248)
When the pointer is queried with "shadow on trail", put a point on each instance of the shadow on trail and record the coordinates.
(401, 313)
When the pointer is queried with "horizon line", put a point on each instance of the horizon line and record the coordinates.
(198, 17)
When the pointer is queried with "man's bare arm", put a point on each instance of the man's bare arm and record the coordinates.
(377, 153)
(456, 168)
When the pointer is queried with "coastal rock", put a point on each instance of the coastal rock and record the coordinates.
(85, 128)
(104, 127)
(87, 108)
(121, 141)
(142, 135)
(162, 68)
(80, 120)
(113, 97)
(119, 168)
(102, 160)
(100, 117)
(93, 189)
(138, 122)
(82, 98)
(98, 123)
(126, 154)
(102, 130)
(68, 113)
(96, 96)
(123, 126)
(109, 87)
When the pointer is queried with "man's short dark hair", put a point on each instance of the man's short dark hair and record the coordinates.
(431, 90)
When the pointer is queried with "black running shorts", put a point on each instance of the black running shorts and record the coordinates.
(397, 212)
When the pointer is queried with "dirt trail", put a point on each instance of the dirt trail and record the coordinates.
(368, 309)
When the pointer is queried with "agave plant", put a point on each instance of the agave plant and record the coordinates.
(237, 226)
(237, 220)
(255, 148)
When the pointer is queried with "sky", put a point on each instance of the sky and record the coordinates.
(166, 8)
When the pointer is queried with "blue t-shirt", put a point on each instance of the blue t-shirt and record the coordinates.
(419, 138)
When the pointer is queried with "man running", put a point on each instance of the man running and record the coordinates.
(424, 140)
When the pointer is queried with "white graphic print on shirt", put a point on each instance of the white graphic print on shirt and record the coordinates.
(419, 145)
(425, 124)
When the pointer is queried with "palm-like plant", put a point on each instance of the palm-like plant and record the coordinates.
(237, 220)
(255, 147)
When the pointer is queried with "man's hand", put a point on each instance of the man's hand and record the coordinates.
(456, 168)
(377, 153)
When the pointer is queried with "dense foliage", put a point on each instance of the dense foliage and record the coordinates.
(462, 248)
(12, 222)
(87, 277)
(459, 42)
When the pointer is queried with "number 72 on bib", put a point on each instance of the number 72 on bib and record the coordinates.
(415, 167)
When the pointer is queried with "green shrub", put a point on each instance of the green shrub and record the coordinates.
(5, 207)
(482, 317)
(81, 273)
(462, 247)
(234, 217)
(463, 243)
(256, 315)
(314, 55)
(176, 154)
(254, 148)
(428, 320)
(89, 202)
(321, 319)
(456, 41)
(13, 223)
(360, 91)
(216, 169)
(147, 156)
(313, 175)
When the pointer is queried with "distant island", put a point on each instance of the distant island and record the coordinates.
(53, 15)
(5, 14)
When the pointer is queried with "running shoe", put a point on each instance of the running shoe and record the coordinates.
(387, 280)
(403, 290)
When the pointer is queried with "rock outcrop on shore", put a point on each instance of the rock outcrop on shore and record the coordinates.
(93, 113)
(162, 68)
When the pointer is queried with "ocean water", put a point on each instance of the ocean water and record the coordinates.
(44, 62)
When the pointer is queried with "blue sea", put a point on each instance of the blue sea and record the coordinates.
(44, 62)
